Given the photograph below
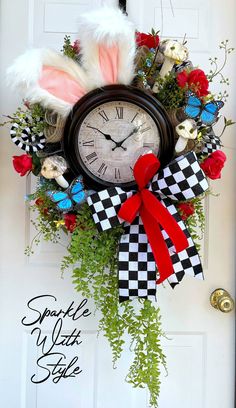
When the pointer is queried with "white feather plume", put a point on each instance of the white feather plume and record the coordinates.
(26, 71)
(108, 26)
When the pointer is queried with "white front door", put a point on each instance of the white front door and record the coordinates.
(200, 346)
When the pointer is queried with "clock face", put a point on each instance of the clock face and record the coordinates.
(109, 129)
(113, 136)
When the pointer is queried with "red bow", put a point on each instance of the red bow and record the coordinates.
(153, 214)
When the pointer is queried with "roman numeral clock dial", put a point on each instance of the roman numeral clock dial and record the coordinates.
(104, 142)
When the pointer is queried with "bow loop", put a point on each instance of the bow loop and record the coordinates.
(183, 179)
(145, 168)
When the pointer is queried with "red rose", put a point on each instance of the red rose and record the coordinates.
(182, 79)
(213, 165)
(22, 164)
(151, 41)
(186, 210)
(196, 80)
(70, 222)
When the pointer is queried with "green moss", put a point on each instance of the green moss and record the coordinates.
(169, 93)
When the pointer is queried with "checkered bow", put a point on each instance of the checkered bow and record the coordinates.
(181, 180)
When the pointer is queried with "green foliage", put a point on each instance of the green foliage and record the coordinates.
(45, 223)
(36, 164)
(70, 50)
(95, 276)
(169, 93)
(217, 68)
(227, 123)
(145, 330)
(196, 222)
(25, 117)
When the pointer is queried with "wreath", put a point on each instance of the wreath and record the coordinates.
(126, 235)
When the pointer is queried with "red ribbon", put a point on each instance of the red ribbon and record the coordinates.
(154, 214)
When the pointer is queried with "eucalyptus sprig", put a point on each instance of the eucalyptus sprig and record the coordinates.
(216, 67)
(227, 123)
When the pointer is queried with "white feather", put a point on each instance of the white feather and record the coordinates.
(25, 73)
(108, 26)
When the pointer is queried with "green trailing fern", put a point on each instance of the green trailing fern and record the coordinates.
(96, 277)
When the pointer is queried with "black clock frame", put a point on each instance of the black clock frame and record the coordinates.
(107, 94)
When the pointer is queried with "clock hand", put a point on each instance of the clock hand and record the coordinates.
(107, 137)
(119, 144)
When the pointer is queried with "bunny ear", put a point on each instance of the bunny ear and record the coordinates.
(48, 78)
(107, 41)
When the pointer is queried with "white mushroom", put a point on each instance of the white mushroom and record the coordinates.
(186, 130)
(53, 168)
(174, 53)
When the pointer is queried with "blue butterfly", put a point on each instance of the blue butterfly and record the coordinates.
(207, 113)
(65, 200)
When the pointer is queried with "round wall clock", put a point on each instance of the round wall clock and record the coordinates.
(109, 128)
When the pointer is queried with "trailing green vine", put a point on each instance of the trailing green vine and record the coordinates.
(93, 259)
(96, 277)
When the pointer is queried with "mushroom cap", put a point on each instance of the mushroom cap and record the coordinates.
(53, 167)
(187, 129)
(174, 50)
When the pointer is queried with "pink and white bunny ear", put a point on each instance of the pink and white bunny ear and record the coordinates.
(48, 78)
(107, 40)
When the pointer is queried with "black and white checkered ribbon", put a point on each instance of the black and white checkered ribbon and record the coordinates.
(181, 180)
(26, 140)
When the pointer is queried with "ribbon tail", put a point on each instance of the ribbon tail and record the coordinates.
(162, 216)
(158, 245)
(137, 267)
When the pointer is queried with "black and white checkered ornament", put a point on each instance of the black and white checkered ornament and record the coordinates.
(26, 140)
(211, 143)
(181, 180)
(182, 66)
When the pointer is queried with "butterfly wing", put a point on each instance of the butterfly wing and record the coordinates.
(77, 191)
(79, 197)
(210, 112)
(57, 196)
(65, 205)
(62, 200)
(77, 186)
(193, 107)
(220, 104)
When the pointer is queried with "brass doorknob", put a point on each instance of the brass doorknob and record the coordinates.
(221, 300)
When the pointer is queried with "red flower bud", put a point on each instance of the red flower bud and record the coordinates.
(70, 222)
(186, 210)
(22, 164)
(151, 41)
(76, 46)
(213, 165)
